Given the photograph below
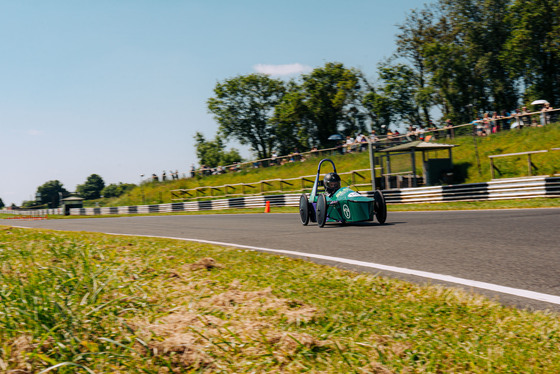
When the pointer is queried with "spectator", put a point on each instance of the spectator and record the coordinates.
(373, 137)
(494, 123)
(349, 144)
(486, 123)
(525, 117)
(340, 146)
(193, 171)
(362, 142)
(294, 156)
(389, 135)
(204, 170)
(449, 131)
(478, 126)
(545, 117)
(420, 134)
(411, 133)
(163, 176)
(517, 123)
(155, 178)
(504, 121)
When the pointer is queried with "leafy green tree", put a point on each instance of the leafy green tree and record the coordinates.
(403, 91)
(416, 32)
(292, 123)
(212, 153)
(243, 106)
(116, 190)
(380, 109)
(29, 204)
(332, 95)
(533, 50)
(482, 28)
(50, 193)
(1, 204)
(92, 187)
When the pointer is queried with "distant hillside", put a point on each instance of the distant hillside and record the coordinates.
(464, 156)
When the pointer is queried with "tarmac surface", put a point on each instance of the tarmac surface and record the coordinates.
(515, 250)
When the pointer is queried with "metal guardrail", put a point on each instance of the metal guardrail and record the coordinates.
(515, 188)
(32, 213)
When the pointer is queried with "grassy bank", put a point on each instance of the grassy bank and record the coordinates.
(82, 302)
(464, 156)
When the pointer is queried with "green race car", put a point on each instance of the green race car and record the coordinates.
(338, 204)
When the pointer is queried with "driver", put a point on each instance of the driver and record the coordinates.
(331, 183)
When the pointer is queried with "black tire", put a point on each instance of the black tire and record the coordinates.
(321, 210)
(304, 209)
(380, 207)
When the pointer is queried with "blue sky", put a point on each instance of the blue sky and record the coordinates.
(119, 88)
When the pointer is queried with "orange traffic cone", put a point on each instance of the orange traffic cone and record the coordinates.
(267, 207)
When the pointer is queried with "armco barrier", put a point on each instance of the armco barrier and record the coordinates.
(33, 213)
(518, 188)
(515, 188)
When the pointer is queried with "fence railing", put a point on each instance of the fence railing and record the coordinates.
(530, 165)
(269, 186)
(32, 213)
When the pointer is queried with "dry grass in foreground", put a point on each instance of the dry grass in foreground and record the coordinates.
(79, 302)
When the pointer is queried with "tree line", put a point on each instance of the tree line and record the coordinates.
(50, 193)
(459, 58)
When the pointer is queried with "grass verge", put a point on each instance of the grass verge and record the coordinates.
(84, 302)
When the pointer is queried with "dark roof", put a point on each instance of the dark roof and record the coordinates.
(72, 198)
(418, 145)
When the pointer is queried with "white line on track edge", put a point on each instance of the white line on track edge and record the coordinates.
(424, 274)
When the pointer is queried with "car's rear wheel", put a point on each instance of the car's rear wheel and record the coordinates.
(380, 207)
(321, 210)
(304, 209)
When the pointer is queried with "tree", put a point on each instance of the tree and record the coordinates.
(116, 190)
(92, 187)
(332, 95)
(403, 94)
(243, 106)
(481, 28)
(292, 122)
(1, 204)
(328, 101)
(416, 32)
(212, 153)
(532, 52)
(50, 193)
(380, 109)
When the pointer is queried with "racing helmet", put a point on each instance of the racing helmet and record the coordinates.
(331, 183)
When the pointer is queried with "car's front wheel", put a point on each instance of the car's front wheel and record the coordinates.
(304, 209)
(380, 207)
(321, 210)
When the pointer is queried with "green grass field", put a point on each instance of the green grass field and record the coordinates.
(464, 156)
(93, 303)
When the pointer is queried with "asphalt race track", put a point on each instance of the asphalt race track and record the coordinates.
(515, 249)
